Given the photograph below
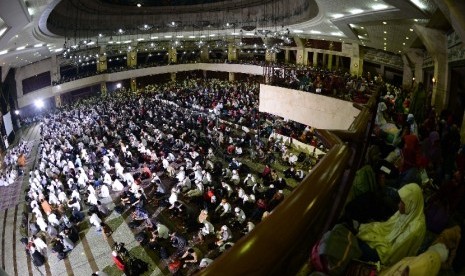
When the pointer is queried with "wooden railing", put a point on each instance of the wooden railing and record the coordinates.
(281, 243)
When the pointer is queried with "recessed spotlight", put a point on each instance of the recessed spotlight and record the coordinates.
(416, 20)
(384, 22)
(385, 32)
(337, 15)
(411, 30)
(363, 28)
(406, 37)
(403, 43)
(379, 7)
(356, 11)
(139, 5)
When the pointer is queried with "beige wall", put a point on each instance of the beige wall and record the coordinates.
(307, 108)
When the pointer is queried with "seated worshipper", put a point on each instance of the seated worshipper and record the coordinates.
(205, 262)
(398, 237)
(192, 255)
(250, 181)
(439, 256)
(225, 207)
(235, 178)
(206, 230)
(179, 242)
(68, 244)
(197, 191)
(45, 206)
(224, 235)
(239, 217)
(102, 209)
(91, 199)
(104, 191)
(95, 221)
(116, 186)
(138, 216)
(162, 231)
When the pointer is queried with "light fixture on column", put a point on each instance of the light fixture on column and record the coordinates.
(434, 81)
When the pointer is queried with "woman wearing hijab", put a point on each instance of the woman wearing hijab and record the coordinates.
(401, 235)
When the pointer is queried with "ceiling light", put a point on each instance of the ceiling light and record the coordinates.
(91, 43)
(403, 43)
(406, 37)
(179, 36)
(337, 15)
(38, 45)
(168, 36)
(250, 34)
(411, 30)
(140, 39)
(154, 37)
(385, 43)
(3, 52)
(385, 32)
(100, 35)
(356, 11)
(192, 36)
(416, 20)
(384, 22)
(58, 50)
(385, 38)
(234, 33)
(20, 48)
(419, 4)
(378, 7)
(39, 103)
(2, 31)
(363, 28)
(212, 35)
(139, 5)
(337, 33)
(315, 32)
(298, 31)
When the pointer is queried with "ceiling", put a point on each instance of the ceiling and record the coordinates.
(32, 30)
(150, 3)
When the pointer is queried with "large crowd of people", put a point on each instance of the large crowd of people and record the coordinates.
(191, 162)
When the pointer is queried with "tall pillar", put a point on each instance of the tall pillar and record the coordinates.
(172, 56)
(131, 59)
(408, 74)
(435, 42)
(232, 52)
(286, 56)
(330, 61)
(58, 102)
(102, 64)
(133, 84)
(103, 88)
(315, 59)
(55, 69)
(325, 58)
(356, 61)
(173, 76)
(270, 56)
(337, 61)
(204, 54)
(232, 76)
(301, 57)
(415, 57)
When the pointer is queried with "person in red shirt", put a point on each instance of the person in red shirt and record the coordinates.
(118, 261)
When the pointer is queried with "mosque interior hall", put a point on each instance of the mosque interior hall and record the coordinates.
(232, 137)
